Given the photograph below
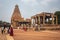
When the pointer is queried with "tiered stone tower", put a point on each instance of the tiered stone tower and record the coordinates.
(16, 17)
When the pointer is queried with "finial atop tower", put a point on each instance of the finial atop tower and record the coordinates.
(16, 5)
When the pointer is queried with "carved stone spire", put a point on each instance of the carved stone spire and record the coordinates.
(16, 16)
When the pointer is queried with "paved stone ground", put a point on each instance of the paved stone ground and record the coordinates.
(5, 36)
(36, 35)
(2, 36)
(9, 37)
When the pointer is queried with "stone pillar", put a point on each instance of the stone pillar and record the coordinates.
(39, 19)
(35, 19)
(44, 19)
(39, 22)
(53, 19)
(32, 22)
(56, 20)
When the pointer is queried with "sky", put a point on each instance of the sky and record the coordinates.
(27, 8)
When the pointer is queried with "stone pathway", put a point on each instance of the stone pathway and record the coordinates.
(9, 37)
(36, 35)
(5, 36)
(2, 37)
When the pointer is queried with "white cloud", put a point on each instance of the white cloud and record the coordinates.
(54, 9)
(46, 2)
(1, 5)
(28, 1)
(31, 3)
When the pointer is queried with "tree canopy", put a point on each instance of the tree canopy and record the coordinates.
(58, 16)
(2, 23)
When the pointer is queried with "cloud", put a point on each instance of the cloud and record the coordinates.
(1, 5)
(54, 9)
(46, 2)
(31, 3)
(28, 1)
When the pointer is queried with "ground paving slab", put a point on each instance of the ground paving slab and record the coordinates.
(5, 36)
(36, 35)
(9, 37)
(2, 37)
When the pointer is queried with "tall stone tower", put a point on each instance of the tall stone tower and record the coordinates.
(16, 17)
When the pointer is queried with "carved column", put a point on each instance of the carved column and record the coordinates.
(53, 19)
(44, 19)
(39, 19)
(35, 19)
(56, 20)
(32, 22)
(39, 22)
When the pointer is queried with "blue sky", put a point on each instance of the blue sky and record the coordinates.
(27, 8)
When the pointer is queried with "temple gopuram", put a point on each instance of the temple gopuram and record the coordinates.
(17, 20)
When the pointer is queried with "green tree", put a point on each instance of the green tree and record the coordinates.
(58, 16)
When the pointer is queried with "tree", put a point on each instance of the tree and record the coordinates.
(58, 16)
(2, 23)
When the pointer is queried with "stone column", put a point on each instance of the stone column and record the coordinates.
(53, 19)
(35, 19)
(39, 22)
(32, 22)
(39, 19)
(44, 19)
(56, 20)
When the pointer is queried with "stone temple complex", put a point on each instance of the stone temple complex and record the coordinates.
(17, 20)
(43, 20)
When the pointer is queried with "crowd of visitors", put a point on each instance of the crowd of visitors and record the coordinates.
(7, 30)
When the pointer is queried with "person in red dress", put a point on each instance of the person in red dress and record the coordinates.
(11, 30)
(24, 28)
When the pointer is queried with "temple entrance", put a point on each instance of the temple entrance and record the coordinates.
(24, 25)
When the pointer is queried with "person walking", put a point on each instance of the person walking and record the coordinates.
(2, 29)
(11, 30)
(36, 27)
(8, 30)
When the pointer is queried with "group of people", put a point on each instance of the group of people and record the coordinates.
(7, 30)
(37, 27)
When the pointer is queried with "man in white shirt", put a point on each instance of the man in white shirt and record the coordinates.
(36, 27)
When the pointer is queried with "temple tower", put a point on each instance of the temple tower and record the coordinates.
(16, 16)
